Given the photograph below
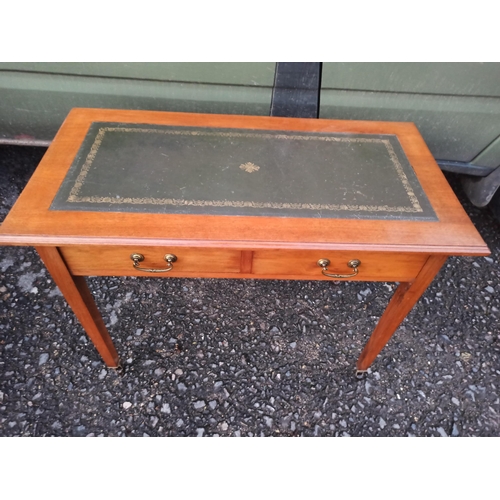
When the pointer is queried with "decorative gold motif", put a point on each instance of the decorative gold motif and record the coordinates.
(249, 167)
(402, 176)
(241, 204)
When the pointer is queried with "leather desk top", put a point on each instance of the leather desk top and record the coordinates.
(125, 167)
(118, 177)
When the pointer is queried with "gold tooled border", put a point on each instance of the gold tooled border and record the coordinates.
(74, 193)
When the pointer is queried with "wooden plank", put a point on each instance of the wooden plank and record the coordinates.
(246, 262)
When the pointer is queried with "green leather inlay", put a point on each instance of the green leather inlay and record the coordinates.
(187, 170)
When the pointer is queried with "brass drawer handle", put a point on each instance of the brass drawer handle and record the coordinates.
(324, 263)
(169, 258)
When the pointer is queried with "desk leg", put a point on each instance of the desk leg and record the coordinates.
(79, 297)
(400, 305)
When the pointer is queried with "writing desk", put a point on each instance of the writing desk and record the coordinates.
(157, 194)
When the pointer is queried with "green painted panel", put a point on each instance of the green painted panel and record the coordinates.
(473, 79)
(232, 73)
(490, 157)
(36, 105)
(455, 128)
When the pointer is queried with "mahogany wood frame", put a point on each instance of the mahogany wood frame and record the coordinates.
(411, 252)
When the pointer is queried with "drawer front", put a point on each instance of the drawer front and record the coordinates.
(115, 260)
(292, 264)
(226, 263)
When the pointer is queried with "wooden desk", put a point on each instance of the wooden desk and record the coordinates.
(239, 197)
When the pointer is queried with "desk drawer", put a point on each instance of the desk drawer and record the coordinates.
(115, 260)
(213, 262)
(293, 264)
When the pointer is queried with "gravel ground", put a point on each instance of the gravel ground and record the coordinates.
(205, 357)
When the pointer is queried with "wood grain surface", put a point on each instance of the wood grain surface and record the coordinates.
(74, 244)
(79, 298)
(91, 260)
(31, 222)
(402, 302)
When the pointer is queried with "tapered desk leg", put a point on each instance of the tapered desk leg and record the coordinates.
(400, 305)
(79, 297)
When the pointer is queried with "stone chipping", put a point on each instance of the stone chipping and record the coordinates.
(206, 357)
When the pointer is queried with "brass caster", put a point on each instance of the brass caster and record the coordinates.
(119, 369)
